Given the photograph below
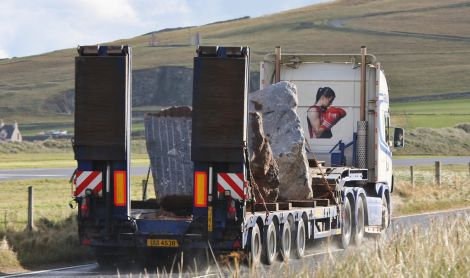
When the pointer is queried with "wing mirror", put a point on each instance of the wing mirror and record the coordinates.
(399, 138)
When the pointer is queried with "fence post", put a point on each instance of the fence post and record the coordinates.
(30, 209)
(412, 176)
(438, 172)
(144, 190)
(469, 168)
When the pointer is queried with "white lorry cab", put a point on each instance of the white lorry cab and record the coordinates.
(329, 91)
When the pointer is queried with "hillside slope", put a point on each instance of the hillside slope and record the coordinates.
(423, 46)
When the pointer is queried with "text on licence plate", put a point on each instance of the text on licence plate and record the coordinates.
(172, 243)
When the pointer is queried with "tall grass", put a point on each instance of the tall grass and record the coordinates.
(440, 250)
(443, 250)
(51, 242)
(8, 259)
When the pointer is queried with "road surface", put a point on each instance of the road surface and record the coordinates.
(314, 254)
(64, 173)
(53, 173)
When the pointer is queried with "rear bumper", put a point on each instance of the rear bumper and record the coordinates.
(169, 230)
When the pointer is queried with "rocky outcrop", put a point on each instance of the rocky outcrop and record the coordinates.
(168, 139)
(162, 86)
(277, 105)
(167, 86)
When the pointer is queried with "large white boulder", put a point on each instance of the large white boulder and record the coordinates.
(277, 105)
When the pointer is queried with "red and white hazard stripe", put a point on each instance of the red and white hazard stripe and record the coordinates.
(234, 182)
(88, 180)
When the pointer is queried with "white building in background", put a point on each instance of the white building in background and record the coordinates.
(10, 133)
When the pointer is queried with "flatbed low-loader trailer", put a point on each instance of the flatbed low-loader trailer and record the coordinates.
(351, 169)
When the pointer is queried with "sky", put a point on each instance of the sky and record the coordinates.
(29, 27)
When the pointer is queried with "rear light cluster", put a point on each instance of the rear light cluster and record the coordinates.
(200, 189)
(85, 207)
(201, 194)
(231, 206)
(120, 189)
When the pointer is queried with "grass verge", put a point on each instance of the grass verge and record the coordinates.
(54, 240)
(440, 251)
(426, 195)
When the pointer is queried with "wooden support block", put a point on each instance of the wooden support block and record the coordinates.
(322, 202)
(270, 206)
(304, 204)
(285, 206)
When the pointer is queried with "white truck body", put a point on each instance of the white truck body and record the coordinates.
(342, 74)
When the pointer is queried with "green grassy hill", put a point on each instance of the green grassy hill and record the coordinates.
(423, 45)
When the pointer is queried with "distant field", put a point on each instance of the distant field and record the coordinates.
(58, 160)
(422, 48)
(433, 114)
(54, 154)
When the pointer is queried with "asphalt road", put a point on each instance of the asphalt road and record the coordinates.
(64, 173)
(51, 173)
(314, 254)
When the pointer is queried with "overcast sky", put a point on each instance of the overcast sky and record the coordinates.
(29, 27)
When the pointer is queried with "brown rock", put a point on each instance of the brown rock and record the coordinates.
(262, 164)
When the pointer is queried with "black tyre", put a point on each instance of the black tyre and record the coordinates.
(358, 228)
(299, 240)
(269, 244)
(285, 242)
(346, 224)
(385, 214)
(106, 262)
(255, 245)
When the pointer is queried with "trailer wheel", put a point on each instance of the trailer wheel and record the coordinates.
(299, 241)
(358, 229)
(106, 262)
(255, 245)
(285, 242)
(112, 258)
(385, 214)
(346, 226)
(269, 244)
